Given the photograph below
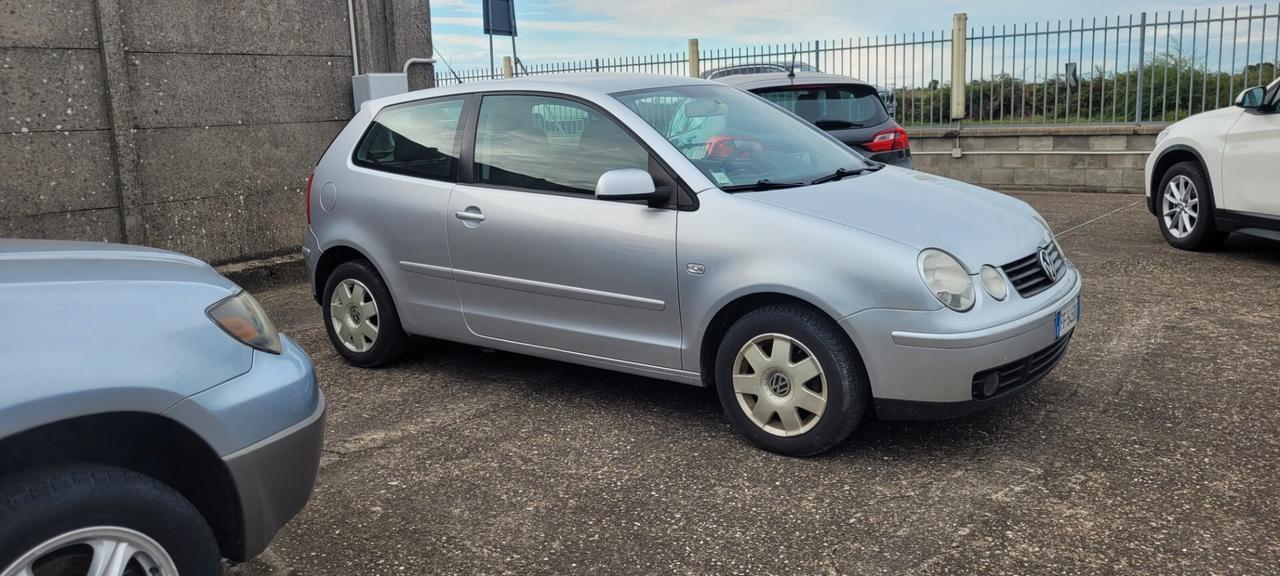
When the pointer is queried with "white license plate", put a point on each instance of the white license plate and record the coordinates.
(1066, 319)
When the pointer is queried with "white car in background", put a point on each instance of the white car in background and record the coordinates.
(1216, 173)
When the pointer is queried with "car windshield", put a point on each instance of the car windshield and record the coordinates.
(831, 107)
(739, 140)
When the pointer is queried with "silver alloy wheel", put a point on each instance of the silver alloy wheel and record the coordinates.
(780, 385)
(354, 315)
(1180, 206)
(96, 551)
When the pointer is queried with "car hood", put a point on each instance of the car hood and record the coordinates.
(1217, 115)
(55, 261)
(974, 224)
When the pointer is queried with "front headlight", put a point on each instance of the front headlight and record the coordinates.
(946, 279)
(244, 319)
(1163, 134)
(993, 282)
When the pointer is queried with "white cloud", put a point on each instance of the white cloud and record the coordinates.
(461, 5)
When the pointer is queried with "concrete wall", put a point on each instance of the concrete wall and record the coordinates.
(184, 124)
(1053, 158)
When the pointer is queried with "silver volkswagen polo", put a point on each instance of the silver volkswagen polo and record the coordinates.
(686, 231)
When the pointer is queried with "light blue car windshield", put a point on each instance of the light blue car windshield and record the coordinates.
(739, 139)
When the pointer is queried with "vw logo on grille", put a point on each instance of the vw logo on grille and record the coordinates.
(779, 384)
(1045, 263)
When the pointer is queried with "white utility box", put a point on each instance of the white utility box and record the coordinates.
(367, 87)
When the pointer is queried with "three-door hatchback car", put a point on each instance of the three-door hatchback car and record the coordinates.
(689, 231)
(152, 420)
(849, 109)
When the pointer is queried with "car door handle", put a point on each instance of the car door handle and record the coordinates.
(471, 214)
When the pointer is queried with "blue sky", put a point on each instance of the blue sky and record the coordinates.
(558, 30)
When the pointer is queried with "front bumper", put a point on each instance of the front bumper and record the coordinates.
(275, 477)
(917, 373)
(268, 427)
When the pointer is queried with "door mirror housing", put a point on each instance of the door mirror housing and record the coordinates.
(630, 184)
(1251, 98)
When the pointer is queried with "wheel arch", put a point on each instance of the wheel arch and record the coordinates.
(149, 444)
(1167, 159)
(739, 306)
(330, 259)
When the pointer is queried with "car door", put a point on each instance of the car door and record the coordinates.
(538, 260)
(404, 169)
(1249, 159)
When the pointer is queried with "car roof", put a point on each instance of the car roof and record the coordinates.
(586, 84)
(774, 79)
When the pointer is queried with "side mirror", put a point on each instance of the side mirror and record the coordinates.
(629, 184)
(1251, 98)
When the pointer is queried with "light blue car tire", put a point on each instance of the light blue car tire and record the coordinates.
(41, 505)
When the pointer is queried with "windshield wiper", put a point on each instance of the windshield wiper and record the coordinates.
(843, 172)
(764, 184)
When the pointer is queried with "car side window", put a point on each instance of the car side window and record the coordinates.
(415, 139)
(1273, 97)
(551, 144)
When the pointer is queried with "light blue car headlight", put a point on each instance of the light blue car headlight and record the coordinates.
(947, 279)
(240, 316)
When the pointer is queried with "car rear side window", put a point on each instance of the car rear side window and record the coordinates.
(832, 107)
(552, 144)
(415, 139)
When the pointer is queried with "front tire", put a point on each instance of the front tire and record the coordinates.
(360, 316)
(790, 381)
(60, 521)
(1184, 209)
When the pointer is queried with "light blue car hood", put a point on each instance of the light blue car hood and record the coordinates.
(94, 328)
(920, 210)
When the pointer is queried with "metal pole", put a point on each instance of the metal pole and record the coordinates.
(1142, 59)
(493, 70)
(355, 52)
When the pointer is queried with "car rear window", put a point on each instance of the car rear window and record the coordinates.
(830, 107)
(415, 138)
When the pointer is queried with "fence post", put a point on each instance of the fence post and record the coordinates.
(1142, 59)
(694, 64)
(507, 70)
(959, 43)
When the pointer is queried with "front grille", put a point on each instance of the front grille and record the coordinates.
(1030, 276)
(1024, 371)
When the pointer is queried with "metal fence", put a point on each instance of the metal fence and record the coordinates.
(1136, 68)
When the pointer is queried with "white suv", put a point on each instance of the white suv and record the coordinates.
(1216, 173)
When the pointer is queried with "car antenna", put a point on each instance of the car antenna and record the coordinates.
(791, 70)
(436, 51)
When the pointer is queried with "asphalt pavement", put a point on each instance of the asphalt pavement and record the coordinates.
(1154, 448)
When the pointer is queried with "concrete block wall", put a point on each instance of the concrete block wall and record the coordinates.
(189, 125)
(1049, 158)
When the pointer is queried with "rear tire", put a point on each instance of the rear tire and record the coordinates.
(360, 317)
(1185, 208)
(48, 515)
(790, 381)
